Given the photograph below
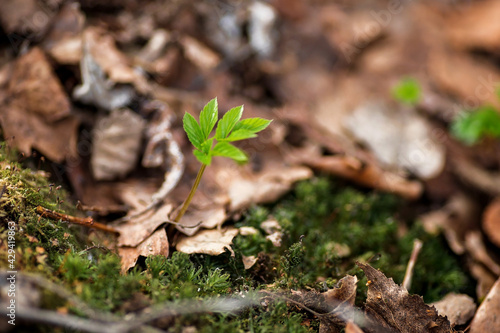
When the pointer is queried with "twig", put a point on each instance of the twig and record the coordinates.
(85, 221)
(417, 246)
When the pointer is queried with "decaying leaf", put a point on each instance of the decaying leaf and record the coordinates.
(208, 218)
(156, 244)
(212, 242)
(249, 261)
(487, 318)
(458, 308)
(393, 308)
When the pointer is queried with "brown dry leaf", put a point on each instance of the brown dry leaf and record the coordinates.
(249, 261)
(199, 54)
(475, 25)
(194, 219)
(112, 61)
(155, 244)
(211, 242)
(352, 328)
(134, 231)
(367, 174)
(474, 84)
(459, 308)
(64, 40)
(116, 141)
(263, 187)
(38, 111)
(25, 130)
(491, 222)
(393, 308)
(343, 293)
(487, 318)
(35, 87)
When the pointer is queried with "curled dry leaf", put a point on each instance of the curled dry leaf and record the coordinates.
(487, 318)
(393, 308)
(211, 242)
(155, 244)
(208, 218)
(459, 308)
(116, 143)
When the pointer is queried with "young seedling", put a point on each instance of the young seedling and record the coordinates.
(230, 128)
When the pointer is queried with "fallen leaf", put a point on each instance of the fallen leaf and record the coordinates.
(393, 308)
(474, 26)
(249, 261)
(116, 142)
(351, 327)
(211, 242)
(34, 86)
(199, 54)
(377, 125)
(458, 308)
(491, 222)
(487, 318)
(194, 219)
(155, 244)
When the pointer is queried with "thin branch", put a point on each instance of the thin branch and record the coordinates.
(417, 246)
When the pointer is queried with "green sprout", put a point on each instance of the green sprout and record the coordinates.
(230, 128)
(407, 91)
(473, 126)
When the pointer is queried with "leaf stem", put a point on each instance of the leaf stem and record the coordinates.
(190, 196)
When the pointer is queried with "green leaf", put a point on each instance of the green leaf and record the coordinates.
(228, 150)
(202, 157)
(208, 117)
(407, 91)
(207, 146)
(252, 124)
(193, 130)
(473, 126)
(240, 134)
(227, 122)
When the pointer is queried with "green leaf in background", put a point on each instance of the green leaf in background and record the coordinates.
(228, 150)
(193, 130)
(473, 126)
(252, 124)
(240, 134)
(208, 117)
(202, 157)
(227, 122)
(407, 91)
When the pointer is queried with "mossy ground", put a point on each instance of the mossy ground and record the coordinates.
(326, 226)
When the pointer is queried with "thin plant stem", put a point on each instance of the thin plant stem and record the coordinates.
(186, 203)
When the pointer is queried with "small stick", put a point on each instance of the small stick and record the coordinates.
(85, 221)
(417, 246)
